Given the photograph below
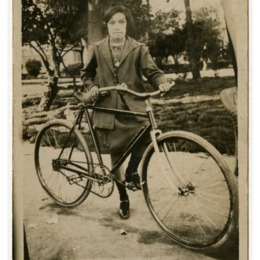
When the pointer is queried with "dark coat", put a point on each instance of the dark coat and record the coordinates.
(135, 62)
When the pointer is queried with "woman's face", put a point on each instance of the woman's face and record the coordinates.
(117, 26)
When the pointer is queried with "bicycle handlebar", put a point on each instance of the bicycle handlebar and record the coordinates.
(85, 96)
(123, 87)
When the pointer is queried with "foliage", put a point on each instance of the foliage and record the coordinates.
(169, 37)
(226, 53)
(46, 21)
(165, 22)
(166, 36)
(142, 17)
(33, 67)
(207, 35)
(58, 25)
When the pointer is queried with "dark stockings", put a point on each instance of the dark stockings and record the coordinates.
(132, 165)
(122, 191)
(131, 168)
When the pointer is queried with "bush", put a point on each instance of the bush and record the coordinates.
(176, 68)
(33, 67)
(72, 70)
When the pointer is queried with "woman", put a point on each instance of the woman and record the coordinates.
(114, 60)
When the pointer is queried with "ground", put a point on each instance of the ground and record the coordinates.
(93, 229)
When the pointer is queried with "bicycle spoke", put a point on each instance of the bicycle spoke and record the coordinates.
(199, 225)
(46, 140)
(198, 215)
(212, 201)
(166, 204)
(206, 216)
(207, 186)
(213, 196)
(170, 209)
(212, 210)
(55, 150)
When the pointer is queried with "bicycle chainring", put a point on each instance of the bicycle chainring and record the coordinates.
(104, 184)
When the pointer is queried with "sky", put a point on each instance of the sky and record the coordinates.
(179, 4)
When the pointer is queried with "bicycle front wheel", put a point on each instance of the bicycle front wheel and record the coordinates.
(189, 190)
(62, 159)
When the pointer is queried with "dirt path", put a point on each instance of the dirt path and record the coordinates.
(92, 230)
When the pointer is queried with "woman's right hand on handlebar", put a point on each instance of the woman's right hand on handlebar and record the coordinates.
(94, 92)
(165, 87)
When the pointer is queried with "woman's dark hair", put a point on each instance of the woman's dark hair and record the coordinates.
(119, 9)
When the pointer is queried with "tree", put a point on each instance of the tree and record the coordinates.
(208, 30)
(166, 36)
(61, 25)
(47, 23)
(57, 26)
(193, 54)
(64, 23)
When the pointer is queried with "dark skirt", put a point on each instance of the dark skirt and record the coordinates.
(114, 140)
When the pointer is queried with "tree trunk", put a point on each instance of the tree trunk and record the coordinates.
(95, 21)
(49, 95)
(56, 61)
(192, 52)
(95, 12)
(52, 85)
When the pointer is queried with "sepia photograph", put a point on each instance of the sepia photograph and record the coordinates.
(130, 129)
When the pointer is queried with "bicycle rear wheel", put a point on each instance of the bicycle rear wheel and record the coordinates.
(62, 159)
(198, 209)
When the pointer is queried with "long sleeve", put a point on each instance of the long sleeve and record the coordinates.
(149, 69)
(88, 72)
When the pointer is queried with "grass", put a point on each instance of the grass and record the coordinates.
(208, 119)
(203, 86)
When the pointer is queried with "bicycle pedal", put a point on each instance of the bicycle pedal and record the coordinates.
(131, 186)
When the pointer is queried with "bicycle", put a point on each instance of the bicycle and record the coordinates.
(185, 181)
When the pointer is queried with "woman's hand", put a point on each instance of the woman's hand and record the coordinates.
(94, 92)
(165, 87)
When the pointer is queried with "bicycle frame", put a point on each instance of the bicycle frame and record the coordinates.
(151, 127)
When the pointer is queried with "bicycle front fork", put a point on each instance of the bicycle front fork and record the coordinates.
(163, 155)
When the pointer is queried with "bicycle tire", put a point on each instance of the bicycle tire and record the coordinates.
(66, 188)
(202, 212)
